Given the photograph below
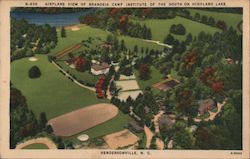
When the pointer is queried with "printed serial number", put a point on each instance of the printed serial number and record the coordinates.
(236, 153)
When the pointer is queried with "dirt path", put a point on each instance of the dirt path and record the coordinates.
(160, 144)
(75, 81)
(149, 135)
(156, 121)
(109, 96)
(212, 115)
(42, 140)
(158, 43)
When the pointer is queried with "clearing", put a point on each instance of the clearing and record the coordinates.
(160, 27)
(231, 19)
(82, 119)
(121, 139)
(52, 93)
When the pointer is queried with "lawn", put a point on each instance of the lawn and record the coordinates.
(52, 93)
(113, 125)
(156, 76)
(83, 76)
(85, 32)
(160, 27)
(55, 95)
(36, 146)
(74, 37)
(231, 19)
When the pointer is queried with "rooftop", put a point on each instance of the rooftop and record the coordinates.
(102, 66)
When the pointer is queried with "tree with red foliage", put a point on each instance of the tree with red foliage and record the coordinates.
(146, 11)
(23, 131)
(207, 75)
(80, 63)
(123, 20)
(190, 59)
(221, 25)
(203, 137)
(209, 71)
(144, 71)
(99, 86)
(88, 20)
(218, 86)
(100, 95)
(114, 11)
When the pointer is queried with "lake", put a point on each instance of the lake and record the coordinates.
(60, 19)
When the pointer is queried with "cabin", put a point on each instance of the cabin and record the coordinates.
(206, 105)
(165, 122)
(166, 84)
(99, 69)
(134, 126)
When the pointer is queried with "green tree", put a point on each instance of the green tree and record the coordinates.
(63, 32)
(42, 120)
(34, 72)
(197, 17)
(169, 39)
(189, 39)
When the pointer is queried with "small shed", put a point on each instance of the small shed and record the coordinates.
(206, 105)
(165, 122)
(134, 126)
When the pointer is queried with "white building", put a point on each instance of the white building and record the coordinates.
(97, 69)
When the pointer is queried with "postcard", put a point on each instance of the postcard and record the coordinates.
(124, 79)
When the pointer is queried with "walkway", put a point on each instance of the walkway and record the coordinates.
(212, 115)
(75, 81)
(156, 121)
(42, 140)
(158, 43)
(149, 134)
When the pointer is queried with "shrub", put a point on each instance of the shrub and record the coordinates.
(34, 72)
(178, 29)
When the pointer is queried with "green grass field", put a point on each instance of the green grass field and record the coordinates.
(74, 37)
(85, 32)
(36, 146)
(231, 19)
(113, 125)
(160, 27)
(156, 76)
(52, 93)
(83, 76)
(55, 95)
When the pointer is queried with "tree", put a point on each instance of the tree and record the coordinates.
(169, 39)
(16, 99)
(189, 39)
(197, 17)
(111, 24)
(136, 49)
(34, 72)
(63, 32)
(144, 71)
(123, 47)
(204, 19)
(43, 120)
(178, 29)
(211, 21)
